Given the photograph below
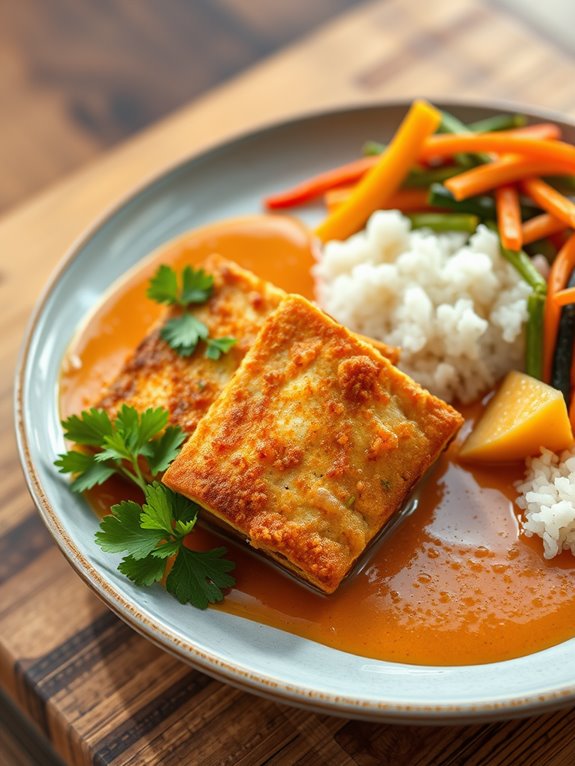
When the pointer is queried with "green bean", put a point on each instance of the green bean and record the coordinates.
(373, 148)
(450, 124)
(498, 122)
(534, 335)
(564, 184)
(563, 353)
(482, 206)
(421, 179)
(523, 265)
(441, 222)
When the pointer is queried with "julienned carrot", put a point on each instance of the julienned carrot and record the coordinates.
(541, 226)
(561, 269)
(383, 180)
(564, 297)
(546, 130)
(504, 171)
(316, 186)
(407, 200)
(509, 217)
(546, 150)
(550, 200)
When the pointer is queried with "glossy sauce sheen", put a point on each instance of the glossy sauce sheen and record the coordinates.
(453, 585)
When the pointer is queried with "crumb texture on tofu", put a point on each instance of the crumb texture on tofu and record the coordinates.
(157, 376)
(313, 445)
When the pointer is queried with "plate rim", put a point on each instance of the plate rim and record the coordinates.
(161, 635)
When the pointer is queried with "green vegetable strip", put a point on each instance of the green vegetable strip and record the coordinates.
(373, 148)
(534, 335)
(498, 122)
(450, 124)
(421, 179)
(563, 356)
(521, 262)
(564, 184)
(483, 206)
(441, 222)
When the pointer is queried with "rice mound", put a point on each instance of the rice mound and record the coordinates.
(547, 497)
(454, 305)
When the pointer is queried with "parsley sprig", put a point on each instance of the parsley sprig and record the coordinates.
(184, 332)
(151, 533)
(155, 531)
(121, 446)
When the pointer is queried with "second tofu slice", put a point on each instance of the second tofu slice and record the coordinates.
(313, 445)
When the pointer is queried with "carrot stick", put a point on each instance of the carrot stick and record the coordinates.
(541, 226)
(539, 130)
(550, 200)
(407, 200)
(383, 180)
(561, 269)
(564, 297)
(504, 171)
(446, 145)
(509, 217)
(316, 186)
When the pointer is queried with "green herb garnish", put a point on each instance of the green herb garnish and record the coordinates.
(122, 446)
(151, 533)
(218, 346)
(184, 332)
(196, 286)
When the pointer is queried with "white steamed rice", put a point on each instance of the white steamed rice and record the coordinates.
(455, 307)
(547, 497)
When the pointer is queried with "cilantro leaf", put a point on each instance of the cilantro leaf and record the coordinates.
(146, 571)
(161, 452)
(198, 577)
(183, 509)
(122, 443)
(89, 471)
(183, 333)
(120, 532)
(156, 511)
(151, 533)
(197, 286)
(90, 427)
(218, 346)
(163, 287)
(167, 549)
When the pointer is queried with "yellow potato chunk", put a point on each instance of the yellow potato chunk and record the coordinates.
(523, 416)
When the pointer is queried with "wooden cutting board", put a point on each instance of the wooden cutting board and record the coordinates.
(98, 691)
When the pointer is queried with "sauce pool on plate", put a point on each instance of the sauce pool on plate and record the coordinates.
(454, 584)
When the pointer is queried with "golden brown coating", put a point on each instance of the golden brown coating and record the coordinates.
(156, 376)
(313, 445)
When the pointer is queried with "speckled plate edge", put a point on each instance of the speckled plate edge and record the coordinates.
(264, 685)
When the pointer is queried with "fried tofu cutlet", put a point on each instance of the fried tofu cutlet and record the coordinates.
(313, 445)
(157, 376)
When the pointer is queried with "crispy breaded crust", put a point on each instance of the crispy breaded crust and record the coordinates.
(156, 376)
(313, 445)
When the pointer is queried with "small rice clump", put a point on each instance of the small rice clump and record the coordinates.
(547, 497)
(453, 305)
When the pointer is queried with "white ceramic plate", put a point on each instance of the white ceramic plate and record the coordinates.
(226, 182)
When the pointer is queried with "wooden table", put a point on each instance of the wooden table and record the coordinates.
(97, 691)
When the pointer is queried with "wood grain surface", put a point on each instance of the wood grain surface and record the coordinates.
(101, 693)
(77, 77)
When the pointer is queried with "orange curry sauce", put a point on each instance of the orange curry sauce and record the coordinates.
(454, 584)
